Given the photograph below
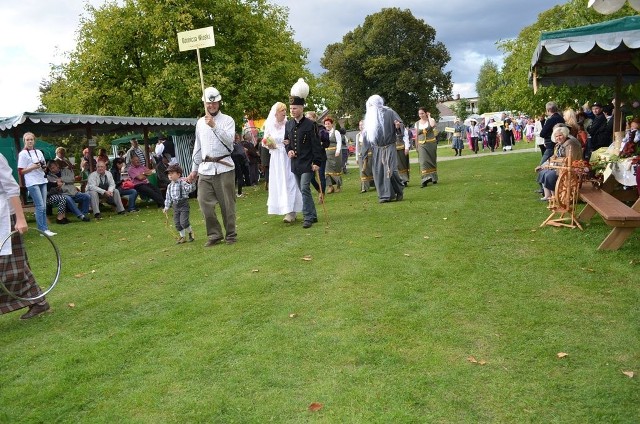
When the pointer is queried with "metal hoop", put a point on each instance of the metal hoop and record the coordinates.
(55, 280)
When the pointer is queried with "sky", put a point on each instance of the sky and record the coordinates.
(33, 37)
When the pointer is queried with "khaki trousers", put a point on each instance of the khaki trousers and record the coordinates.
(213, 190)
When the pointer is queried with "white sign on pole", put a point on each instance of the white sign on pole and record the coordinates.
(196, 39)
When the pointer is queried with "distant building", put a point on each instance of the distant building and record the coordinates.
(472, 104)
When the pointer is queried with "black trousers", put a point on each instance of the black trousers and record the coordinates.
(150, 191)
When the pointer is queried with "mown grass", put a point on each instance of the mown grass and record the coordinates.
(379, 326)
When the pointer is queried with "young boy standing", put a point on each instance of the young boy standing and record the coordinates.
(178, 195)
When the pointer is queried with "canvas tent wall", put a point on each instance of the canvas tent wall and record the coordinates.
(9, 151)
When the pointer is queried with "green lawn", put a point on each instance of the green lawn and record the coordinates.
(448, 307)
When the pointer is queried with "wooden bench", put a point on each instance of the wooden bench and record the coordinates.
(622, 218)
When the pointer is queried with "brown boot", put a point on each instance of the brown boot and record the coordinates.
(35, 310)
(181, 240)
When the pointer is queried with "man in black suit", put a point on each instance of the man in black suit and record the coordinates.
(304, 148)
(553, 118)
(597, 130)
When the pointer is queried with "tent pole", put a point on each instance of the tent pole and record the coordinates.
(617, 113)
(145, 131)
(90, 147)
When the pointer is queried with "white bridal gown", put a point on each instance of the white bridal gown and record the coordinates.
(284, 195)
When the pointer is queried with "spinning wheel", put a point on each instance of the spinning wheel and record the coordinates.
(566, 192)
(564, 199)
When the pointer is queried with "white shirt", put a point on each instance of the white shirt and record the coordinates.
(338, 139)
(536, 133)
(214, 142)
(8, 189)
(93, 182)
(26, 158)
(405, 138)
(159, 149)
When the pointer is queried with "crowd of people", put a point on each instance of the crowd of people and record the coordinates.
(57, 186)
(301, 153)
(575, 135)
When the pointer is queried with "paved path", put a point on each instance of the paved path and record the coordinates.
(465, 155)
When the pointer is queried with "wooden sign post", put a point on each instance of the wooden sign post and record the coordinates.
(197, 39)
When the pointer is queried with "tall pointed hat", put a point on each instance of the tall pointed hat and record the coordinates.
(299, 92)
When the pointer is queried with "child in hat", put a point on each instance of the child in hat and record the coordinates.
(178, 195)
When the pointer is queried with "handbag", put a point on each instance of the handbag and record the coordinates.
(127, 185)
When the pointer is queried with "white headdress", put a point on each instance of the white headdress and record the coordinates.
(373, 119)
(299, 92)
(271, 126)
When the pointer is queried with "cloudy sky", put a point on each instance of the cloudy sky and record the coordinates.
(35, 34)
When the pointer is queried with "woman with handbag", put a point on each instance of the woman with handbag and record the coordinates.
(125, 187)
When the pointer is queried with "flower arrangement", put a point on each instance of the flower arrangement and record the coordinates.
(630, 149)
(269, 142)
(581, 167)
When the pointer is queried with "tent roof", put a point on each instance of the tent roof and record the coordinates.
(594, 54)
(56, 124)
(127, 139)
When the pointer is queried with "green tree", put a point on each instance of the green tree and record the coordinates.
(127, 60)
(392, 54)
(460, 108)
(489, 80)
(514, 92)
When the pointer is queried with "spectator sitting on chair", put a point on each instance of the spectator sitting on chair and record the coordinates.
(138, 174)
(161, 172)
(116, 172)
(135, 150)
(85, 162)
(61, 181)
(103, 157)
(101, 185)
(62, 159)
(55, 198)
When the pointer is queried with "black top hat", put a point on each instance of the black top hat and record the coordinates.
(295, 100)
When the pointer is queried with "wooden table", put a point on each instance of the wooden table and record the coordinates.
(608, 202)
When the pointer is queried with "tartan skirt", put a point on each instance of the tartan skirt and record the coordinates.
(16, 276)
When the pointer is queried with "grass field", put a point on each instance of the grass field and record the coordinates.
(451, 306)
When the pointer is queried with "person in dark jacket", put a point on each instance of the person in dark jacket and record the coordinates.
(553, 117)
(252, 155)
(303, 148)
(597, 130)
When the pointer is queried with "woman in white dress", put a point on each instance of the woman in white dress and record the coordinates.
(284, 195)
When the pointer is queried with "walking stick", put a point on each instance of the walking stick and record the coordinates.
(324, 207)
(166, 225)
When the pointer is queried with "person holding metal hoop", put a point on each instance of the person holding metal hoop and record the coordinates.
(15, 273)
